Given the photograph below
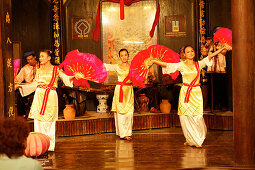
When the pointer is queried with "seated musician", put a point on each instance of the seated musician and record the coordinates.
(26, 75)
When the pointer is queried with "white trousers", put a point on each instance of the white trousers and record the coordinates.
(194, 129)
(123, 124)
(47, 128)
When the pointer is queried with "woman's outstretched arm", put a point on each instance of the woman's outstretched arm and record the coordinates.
(160, 63)
(210, 56)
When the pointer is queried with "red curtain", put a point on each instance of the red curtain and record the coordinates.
(128, 3)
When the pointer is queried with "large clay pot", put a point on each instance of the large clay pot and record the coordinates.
(143, 103)
(69, 112)
(165, 106)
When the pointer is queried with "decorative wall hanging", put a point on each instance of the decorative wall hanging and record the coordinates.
(82, 28)
(175, 26)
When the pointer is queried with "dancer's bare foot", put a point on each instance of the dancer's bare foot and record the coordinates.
(127, 138)
(199, 146)
(186, 144)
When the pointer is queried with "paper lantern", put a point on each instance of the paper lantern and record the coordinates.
(37, 144)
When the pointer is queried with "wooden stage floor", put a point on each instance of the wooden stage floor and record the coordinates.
(149, 149)
(96, 123)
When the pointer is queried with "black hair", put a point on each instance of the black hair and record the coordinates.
(181, 49)
(215, 29)
(30, 53)
(49, 52)
(123, 49)
(186, 46)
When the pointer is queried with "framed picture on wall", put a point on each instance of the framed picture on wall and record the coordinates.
(175, 26)
(82, 28)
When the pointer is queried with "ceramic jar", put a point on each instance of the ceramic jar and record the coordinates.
(69, 112)
(165, 106)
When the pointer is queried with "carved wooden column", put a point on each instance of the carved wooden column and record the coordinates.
(6, 62)
(243, 80)
(1, 69)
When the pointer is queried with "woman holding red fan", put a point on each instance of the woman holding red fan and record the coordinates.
(190, 107)
(44, 109)
(123, 99)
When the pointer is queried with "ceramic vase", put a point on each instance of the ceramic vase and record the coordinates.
(165, 106)
(69, 112)
(102, 99)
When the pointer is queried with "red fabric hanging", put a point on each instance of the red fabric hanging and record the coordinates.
(122, 2)
(96, 29)
(155, 21)
(122, 9)
(122, 16)
(126, 2)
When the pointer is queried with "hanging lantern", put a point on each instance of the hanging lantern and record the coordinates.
(37, 144)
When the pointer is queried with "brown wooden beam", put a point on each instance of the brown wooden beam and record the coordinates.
(243, 80)
(1, 69)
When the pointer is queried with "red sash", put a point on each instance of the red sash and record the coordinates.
(48, 88)
(121, 85)
(192, 84)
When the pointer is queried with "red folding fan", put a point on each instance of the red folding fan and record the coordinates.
(224, 35)
(165, 54)
(138, 68)
(87, 64)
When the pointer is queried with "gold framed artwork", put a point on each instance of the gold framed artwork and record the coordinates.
(175, 26)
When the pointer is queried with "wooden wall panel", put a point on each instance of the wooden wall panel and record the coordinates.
(219, 14)
(81, 9)
(31, 25)
(177, 7)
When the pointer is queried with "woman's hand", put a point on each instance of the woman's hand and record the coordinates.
(78, 76)
(227, 47)
(17, 86)
(149, 63)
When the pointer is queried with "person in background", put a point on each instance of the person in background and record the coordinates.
(181, 53)
(13, 138)
(26, 75)
(204, 77)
